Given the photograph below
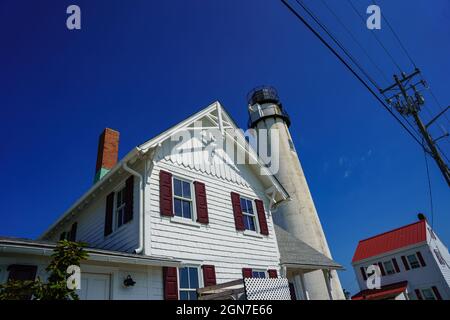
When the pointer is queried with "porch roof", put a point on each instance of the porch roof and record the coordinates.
(385, 292)
(296, 253)
(45, 248)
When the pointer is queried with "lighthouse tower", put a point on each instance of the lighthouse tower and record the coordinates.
(298, 216)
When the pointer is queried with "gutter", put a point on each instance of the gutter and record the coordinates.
(94, 255)
(141, 178)
(99, 183)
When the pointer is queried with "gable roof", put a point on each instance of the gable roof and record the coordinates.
(392, 240)
(295, 252)
(216, 114)
(385, 292)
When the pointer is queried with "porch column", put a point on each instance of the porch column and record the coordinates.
(327, 275)
(299, 284)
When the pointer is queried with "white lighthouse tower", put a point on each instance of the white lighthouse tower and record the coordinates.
(298, 216)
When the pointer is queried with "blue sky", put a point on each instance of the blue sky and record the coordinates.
(142, 66)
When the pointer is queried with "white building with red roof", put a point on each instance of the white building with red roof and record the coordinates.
(411, 263)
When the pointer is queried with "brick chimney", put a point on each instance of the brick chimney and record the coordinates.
(108, 152)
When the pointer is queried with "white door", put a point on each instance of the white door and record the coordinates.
(94, 286)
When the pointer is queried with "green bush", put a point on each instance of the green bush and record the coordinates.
(65, 254)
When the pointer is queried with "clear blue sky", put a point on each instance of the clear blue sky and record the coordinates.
(142, 66)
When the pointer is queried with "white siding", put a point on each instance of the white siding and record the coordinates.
(423, 277)
(91, 221)
(149, 284)
(217, 243)
(443, 268)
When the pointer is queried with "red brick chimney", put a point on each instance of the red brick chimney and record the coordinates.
(108, 152)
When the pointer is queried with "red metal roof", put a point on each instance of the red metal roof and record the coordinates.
(385, 292)
(391, 240)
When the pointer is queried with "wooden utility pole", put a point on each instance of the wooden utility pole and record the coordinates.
(410, 105)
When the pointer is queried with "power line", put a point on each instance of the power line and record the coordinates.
(429, 188)
(355, 40)
(397, 37)
(324, 42)
(375, 36)
(324, 28)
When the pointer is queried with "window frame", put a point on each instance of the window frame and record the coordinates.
(389, 262)
(120, 188)
(199, 277)
(416, 261)
(192, 200)
(430, 290)
(254, 216)
(266, 274)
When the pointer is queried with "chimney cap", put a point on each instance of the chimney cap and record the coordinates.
(421, 216)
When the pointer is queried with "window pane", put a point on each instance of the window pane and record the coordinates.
(389, 267)
(243, 205)
(427, 294)
(413, 261)
(184, 295)
(177, 188)
(184, 282)
(249, 207)
(177, 207)
(192, 295)
(193, 278)
(186, 190)
(246, 225)
(187, 209)
(252, 224)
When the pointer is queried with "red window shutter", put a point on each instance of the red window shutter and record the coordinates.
(261, 217)
(200, 202)
(165, 193)
(170, 278)
(380, 264)
(405, 262)
(397, 269)
(237, 210)
(247, 272)
(109, 213)
(209, 275)
(418, 294)
(436, 293)
(73, 232)
(272, 273)
(129, 192)
(422, 261)
(363, 273)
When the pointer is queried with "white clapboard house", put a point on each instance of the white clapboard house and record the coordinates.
(413, 264)
(161, 224)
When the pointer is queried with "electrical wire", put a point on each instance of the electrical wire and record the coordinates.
(355, 40)
(324, 28)
(430, 192)
(376, 37)
(324, 42)
(397, 37)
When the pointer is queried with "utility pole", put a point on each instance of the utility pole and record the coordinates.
(410, 105)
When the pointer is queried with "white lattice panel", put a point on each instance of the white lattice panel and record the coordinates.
(267, 289)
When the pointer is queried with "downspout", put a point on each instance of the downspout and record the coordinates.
(140, 249)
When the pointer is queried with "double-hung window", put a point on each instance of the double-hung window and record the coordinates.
(258, 274)
(413, 261)
(248, 214)
(428, 294)
(189, 283)
(182, 198)
(389, 267)
(120, 207)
